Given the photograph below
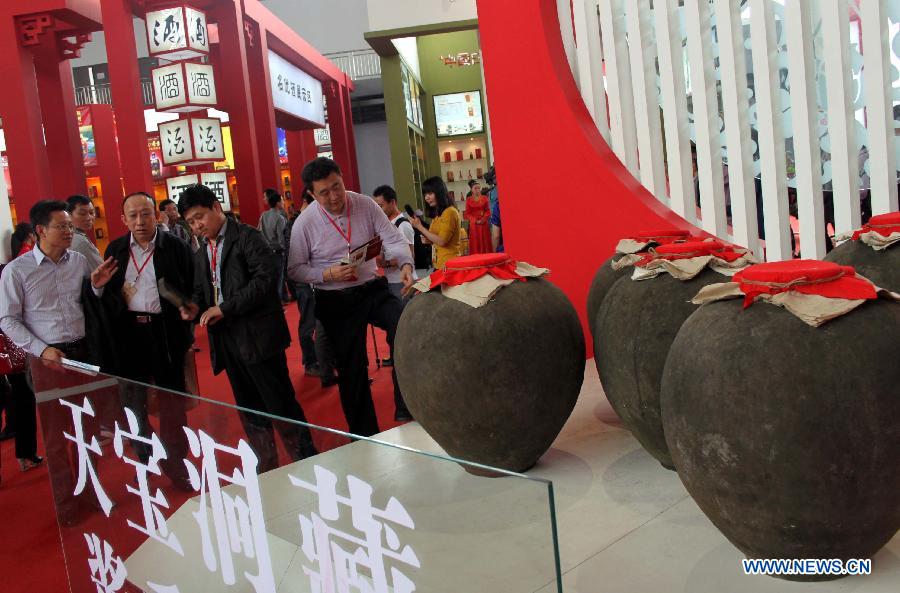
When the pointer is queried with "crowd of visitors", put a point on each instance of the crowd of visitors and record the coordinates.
(133, 310)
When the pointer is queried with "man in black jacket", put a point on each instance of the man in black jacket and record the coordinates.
(236, 295)
(150, 334)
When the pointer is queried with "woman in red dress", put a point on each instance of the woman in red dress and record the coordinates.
(478, 213)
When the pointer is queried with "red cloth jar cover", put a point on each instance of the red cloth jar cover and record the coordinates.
(692, 249)
(805, 276)
(469, 268)
(883, 224)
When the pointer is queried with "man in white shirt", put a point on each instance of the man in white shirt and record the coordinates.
(349, 297)
(386, 198)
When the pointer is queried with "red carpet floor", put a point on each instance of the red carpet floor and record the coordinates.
(31, 558)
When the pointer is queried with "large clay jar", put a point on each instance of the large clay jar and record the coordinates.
(788, 436)
(492, 384)
(880, 266)
(606, 276)
(636, 324)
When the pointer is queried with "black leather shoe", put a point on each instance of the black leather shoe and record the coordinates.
(329, 381)
(7, 434)
(387, 362)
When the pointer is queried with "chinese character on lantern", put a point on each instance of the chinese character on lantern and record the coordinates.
(177, 33)
(191, 141)
(184, 87)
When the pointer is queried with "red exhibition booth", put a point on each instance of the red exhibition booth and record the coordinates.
(243, 41)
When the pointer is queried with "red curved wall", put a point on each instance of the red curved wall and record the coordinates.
(566, 199)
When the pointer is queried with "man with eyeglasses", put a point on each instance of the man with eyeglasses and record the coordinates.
(42, 310)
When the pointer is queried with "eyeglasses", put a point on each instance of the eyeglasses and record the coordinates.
(63, 227)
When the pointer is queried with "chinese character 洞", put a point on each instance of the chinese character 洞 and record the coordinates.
(154, 526)
(170, 86)
(207, 140)
(338, 555)
(200, 82)
(231, 522)
(108, 571)
(176, 141)
(85, 465)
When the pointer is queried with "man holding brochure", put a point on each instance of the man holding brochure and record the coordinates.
(333, 247)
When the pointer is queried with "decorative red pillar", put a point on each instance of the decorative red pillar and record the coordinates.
(351, 136)
(301, 147)
(108, 167)
(263, 110)
(341, 133)
(236, 100)
(127, 96)
(57, 95)
(21, 112)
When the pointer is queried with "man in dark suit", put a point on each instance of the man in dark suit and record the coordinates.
(236, 295)
(150, 334)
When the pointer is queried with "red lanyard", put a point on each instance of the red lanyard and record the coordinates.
(146, 261)
(349, 235)
(214, 249)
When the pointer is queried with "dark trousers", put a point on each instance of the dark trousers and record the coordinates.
(147, 358)
(266, 387)
(346, 315)
(281, 267)
(306, 305)
(21, 415)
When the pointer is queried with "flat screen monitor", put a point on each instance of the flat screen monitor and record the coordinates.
(458, 113)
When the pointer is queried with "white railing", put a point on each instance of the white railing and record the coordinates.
(360, 64)
(99, 94)
(748, 117)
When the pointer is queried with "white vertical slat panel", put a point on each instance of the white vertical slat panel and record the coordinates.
(770, 131)
(706, 122)
(585, 74)
(805, 116)
(674, 103)
(642, 50)
(841, 122)
(622, 131)
(879, 118)
(595, 49)
(733, 69)
(564, 9)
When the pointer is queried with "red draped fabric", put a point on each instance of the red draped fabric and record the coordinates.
(478, 213)
(805, 276)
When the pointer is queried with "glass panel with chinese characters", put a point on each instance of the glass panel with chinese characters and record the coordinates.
(164, 492)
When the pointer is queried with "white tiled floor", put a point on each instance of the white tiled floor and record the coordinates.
(625, 523)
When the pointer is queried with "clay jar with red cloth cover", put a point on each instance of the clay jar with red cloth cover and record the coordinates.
(492, 384)
(786, 435)
(880, 266)
(635, 326)
(606, 276)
